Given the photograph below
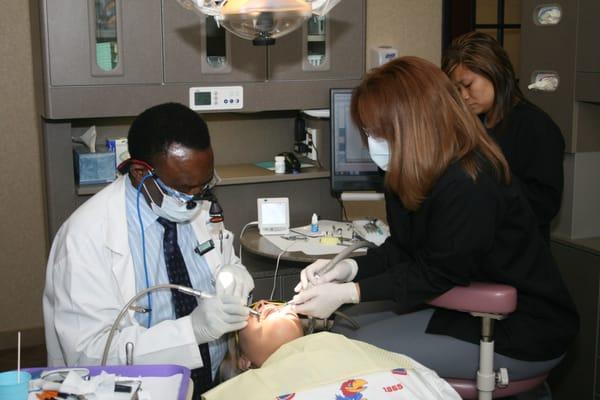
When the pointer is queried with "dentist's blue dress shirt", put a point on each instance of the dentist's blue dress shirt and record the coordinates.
(199, 271)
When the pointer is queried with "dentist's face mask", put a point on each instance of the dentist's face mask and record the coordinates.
(379, 150)
(177, 206)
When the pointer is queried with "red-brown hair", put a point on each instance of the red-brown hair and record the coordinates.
(413, 105)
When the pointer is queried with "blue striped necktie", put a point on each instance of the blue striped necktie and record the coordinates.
(184, 304)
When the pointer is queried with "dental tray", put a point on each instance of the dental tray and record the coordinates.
(156, 371)
(332, 228)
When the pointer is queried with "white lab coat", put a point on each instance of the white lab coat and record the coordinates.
(90, 277)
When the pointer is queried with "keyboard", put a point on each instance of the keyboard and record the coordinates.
(371, 230)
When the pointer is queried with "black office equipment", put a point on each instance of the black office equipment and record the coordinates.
(351, 166)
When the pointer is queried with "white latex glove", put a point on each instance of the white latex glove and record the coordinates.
(234, 280)
(214, 317)
(344, 271)
(322, 300)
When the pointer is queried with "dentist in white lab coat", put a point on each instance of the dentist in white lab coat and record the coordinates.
(96, 263)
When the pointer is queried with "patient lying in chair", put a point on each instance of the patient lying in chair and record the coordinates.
(250, 347)
(279, 361)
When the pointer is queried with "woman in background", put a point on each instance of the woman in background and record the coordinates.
(531, 142)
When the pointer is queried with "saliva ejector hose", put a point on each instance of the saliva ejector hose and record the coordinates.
(140, 294)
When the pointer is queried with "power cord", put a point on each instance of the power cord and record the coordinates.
(253, 223)
(344, 214)
(277, 269)
(242, 233)
(311, 144)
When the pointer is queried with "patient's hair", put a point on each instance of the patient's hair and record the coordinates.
(251, 346)
(229, 366)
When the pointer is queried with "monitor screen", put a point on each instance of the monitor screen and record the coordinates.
(351, 166)
(274, 213)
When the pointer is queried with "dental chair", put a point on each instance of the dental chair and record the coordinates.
(489, 302)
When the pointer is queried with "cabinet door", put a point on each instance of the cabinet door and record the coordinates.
(539, 53)
(588, 56)
(96, 42)
(332, 48)
(196, 51)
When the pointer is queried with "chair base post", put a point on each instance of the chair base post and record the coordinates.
(486, 377)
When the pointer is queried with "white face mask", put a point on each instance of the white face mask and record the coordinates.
(379, 150)
(172, 208)
(174, 211)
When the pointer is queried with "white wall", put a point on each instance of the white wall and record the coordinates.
(22, 226)
(413, 27)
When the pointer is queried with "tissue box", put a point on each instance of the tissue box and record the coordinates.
(119, 146)
(93, 168)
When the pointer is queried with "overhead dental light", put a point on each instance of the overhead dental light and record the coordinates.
(261, 21)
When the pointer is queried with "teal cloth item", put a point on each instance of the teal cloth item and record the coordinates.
(270, 165)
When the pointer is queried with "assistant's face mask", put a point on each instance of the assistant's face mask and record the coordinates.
(174, 206)
(379, 150)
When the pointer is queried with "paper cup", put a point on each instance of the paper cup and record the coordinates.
(10, 389)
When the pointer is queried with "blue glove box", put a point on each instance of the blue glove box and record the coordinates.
(93, 168)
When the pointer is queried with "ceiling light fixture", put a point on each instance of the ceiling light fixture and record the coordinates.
(261, 21)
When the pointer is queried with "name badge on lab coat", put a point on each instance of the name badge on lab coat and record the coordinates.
(205, 247)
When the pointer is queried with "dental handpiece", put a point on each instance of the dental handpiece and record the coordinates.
(194, 292)
(202, 295)
(128, 306)
(339, 257)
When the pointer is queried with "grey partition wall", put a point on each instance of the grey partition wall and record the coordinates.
(570, 48)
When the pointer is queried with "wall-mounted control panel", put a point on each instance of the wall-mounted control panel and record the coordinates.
(216, 98)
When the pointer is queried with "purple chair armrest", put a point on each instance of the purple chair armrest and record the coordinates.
(480, 297)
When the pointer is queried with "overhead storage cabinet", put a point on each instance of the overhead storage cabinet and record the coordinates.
(197, 51)
(105, 58)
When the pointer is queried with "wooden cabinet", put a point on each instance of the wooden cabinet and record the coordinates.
(578, 376)
(569, 48)
(154, 51)
(198, 52)
(297, 78)
(73, 42)
(588, 56)
(338, 41)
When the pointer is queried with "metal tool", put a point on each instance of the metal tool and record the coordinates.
(254, 313)
(294, 237)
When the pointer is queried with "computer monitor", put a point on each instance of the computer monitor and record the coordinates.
(351, 166)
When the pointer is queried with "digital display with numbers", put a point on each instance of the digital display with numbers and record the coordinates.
(208, 98)
(202, 98)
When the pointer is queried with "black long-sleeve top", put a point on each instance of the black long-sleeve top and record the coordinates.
(469, 231)
(534, 148)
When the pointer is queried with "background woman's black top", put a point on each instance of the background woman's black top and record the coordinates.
(469, 231)
(534, 148)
